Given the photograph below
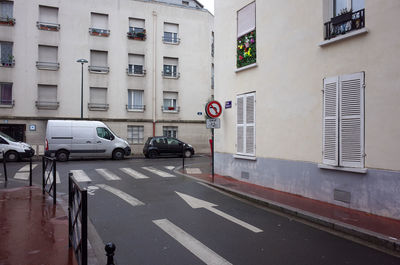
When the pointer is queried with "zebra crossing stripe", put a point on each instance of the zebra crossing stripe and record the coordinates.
(133, 173)
(107, 174)
(58, 181)
(23, 173)
(170, 167)
(119, 193)
(200, 250)
(80, 176)
(159, 172)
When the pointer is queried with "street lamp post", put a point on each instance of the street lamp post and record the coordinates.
(82, 61)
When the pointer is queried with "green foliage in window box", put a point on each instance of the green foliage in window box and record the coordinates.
(246, 50)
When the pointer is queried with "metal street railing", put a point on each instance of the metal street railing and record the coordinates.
(4, 165)
(49, 176)
(344, 23)
(77, 219)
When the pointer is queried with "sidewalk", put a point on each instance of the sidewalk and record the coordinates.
(32, 229)
(380, 231)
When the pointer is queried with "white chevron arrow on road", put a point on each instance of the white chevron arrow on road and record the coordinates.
(197, 203)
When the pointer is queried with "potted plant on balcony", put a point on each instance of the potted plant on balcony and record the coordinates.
(344, 16)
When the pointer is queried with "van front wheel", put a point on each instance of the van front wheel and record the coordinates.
(118, 154)
(12, 156)
(62, 156)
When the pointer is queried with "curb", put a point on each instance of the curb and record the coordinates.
(379, 240)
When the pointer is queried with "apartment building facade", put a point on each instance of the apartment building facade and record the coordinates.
(314, 92)
(146, 67)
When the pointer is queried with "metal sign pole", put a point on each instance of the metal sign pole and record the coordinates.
(212, 155)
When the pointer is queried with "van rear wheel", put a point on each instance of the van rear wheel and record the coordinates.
(118, 154)
(12, 156)
(62, 156)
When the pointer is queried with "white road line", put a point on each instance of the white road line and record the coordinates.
(192, 244)
(23, 173)
(119, 193)
(80, 176)
(159, 172)
(133, 173)
(170, 167)
(51, 177)
(108, 175)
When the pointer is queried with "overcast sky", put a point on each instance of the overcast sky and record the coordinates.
(209, 4)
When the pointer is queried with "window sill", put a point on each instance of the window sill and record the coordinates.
(135, 110)
(246, 67)
(171, 43)
(171, 111)
(343, 37)
(171, 77)
(252, 158)
(138, 75)
(346, 169)
(6, 106)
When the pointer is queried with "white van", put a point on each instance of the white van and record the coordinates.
(14, 150)
(68, 138)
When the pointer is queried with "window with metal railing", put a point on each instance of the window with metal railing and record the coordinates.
(136, 33)
(99, 25)
(6, 100)
(6, 13)
(6, 50)
(48, 19)
(135, 100)
(48, 58)
(343, 23)
(98, 62)
(47, 97)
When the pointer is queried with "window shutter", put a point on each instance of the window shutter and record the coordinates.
(352, 120)
(47, 93)
(330, 124)
(99, 21)
(246, 19)
(250, 124)
(98, 58)
(98, 95)
(170, 61)
(48, 14)
(240, 125)
(136, 59)
(48, 54)
(169, 27)
(136, 23)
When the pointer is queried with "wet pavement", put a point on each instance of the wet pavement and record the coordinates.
(32, 229)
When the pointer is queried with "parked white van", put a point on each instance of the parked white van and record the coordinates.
(69, 138)
(13, 150)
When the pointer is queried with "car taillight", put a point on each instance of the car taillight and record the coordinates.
(47, 145)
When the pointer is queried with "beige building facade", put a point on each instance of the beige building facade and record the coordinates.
(148, 70)
(314, 92)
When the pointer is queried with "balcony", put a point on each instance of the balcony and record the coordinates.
(48, 26)
(136, 71)
(137, 108)
(99, 69)
(47, 105)
(8, 63)
(99, 32)
(8, 21)
(171, 75)
(170, 109)
(98, 106)
(7, 103)
(344, 23)
(171, 40)
(137, 34)
(47, 66)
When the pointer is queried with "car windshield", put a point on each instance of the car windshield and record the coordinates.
(8, 137)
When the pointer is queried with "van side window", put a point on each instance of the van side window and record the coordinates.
(2, 141)
(104, 133)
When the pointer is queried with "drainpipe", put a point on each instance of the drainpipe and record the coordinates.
(154, 70)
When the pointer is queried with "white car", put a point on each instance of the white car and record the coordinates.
(14, 150)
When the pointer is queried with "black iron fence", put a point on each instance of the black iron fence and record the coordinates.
(344, 23)
(49, 177)
(77, 219)
(4, 165)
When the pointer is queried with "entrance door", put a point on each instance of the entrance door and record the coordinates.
(16, 131)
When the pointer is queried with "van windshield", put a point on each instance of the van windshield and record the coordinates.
(8, 137)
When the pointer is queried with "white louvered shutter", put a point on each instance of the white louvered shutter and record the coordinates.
(352, 120)
(240, 125)
(330, 124)
(250, 124)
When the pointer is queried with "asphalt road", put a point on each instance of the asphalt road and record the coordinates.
(156, 216)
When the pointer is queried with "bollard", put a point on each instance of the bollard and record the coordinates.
(110, 249)
(30, 171)
(183, 158)
(4, 165)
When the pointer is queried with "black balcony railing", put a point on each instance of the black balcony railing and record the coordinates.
(170, 108)
(171, 40)
(136, 107)
(99, 69)
(136, 70)
(137, 34)
(99, 32)
(8, 62)
(50, 105)
(7, 21)
(48, 26)
(6, 103)
(169, 74)
(344, 23)
(47, 66)
(98, 106)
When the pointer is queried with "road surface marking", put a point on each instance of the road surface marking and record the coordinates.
(170, 167)
(159, 172)
(119, 193)
(193, 170)
(23, 173)
(80, 176)
(107, 174)
(190, 243)
(50, 181)
(197, 203)
(133, 173)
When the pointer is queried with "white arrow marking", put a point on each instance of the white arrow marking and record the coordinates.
(197, 203)
(119, 193)
(190, 243)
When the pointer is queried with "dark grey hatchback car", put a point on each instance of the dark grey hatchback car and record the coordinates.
(161, 145)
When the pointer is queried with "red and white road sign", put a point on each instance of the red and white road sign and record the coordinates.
(213, 109)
